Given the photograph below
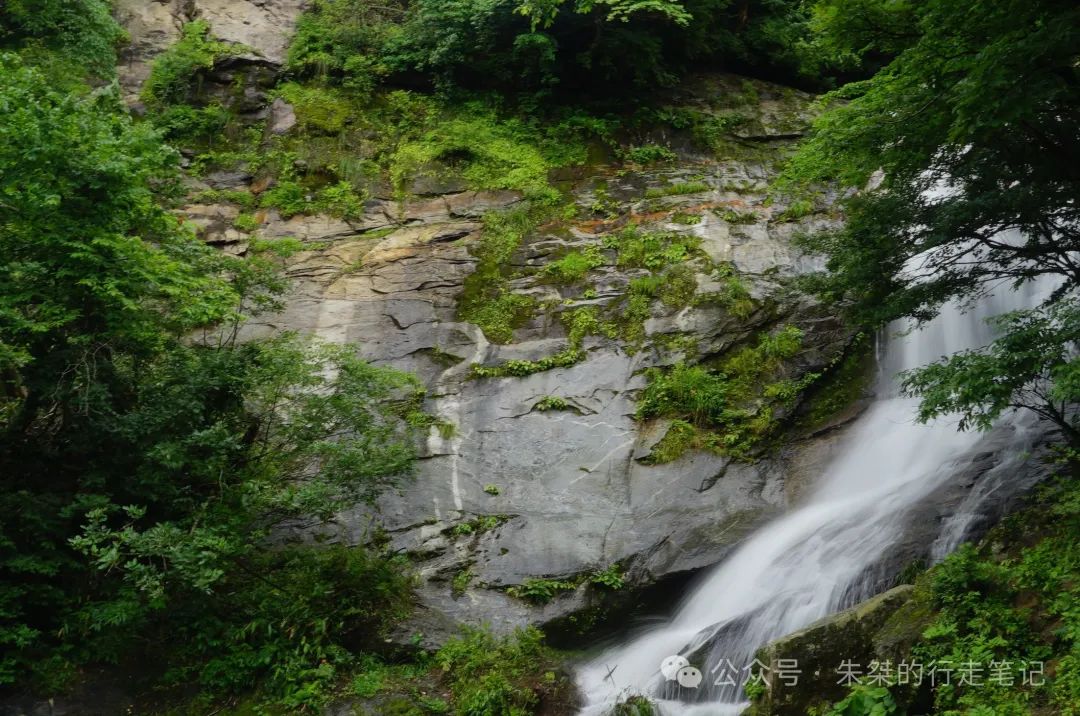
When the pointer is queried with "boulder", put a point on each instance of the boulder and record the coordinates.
(823, 653)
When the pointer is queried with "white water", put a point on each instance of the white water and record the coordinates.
(815, 560)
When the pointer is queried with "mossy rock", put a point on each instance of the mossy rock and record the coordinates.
(820, 649)
(903, 628)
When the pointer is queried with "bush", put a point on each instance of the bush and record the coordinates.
(731, 408)
(574, 266)
(66, 39)
(492, 676)
(287, 196)
(176, 73)
(319, 110)
(648, 154)
(486, 152)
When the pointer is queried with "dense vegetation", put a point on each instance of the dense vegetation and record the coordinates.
(540, 47)
(973, 125)
(146, 455)
(152, 465)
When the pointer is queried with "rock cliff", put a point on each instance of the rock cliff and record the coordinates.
(540, 490)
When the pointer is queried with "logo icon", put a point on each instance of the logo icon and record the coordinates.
(677, 668)
(670, 666)
(689, 677)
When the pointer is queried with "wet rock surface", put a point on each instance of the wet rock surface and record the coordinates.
(572, 491)
(819, 651)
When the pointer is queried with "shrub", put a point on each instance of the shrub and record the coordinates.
(287, 196)
(731, 408)
(246, 223)
(184, 123)
(487, 152)
(486, 299)
(651, 249)
(610, 578)
(648, 154)
(551, 402)
(341, 200)
(176, 72)
(574, 266)
(540, 591)
(319, 110)
(492, 676)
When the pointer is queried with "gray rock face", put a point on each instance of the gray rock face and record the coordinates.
(571, 492)
(263, 26)
(513, 493)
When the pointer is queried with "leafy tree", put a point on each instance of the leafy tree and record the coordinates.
(965, 147)
(69, 38)
(543, 12)
(147, 457)
(619, 47)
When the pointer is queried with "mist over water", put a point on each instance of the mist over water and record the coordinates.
(814, 561)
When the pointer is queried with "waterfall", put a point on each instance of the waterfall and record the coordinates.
(817, 559)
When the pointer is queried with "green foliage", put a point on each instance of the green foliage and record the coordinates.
(1008, 607)
(460, 583)
(493, 676)
(971, 123)
(582, 322)
(540, 46)
(486, 299)
(982, 618)
(146, 456)
(89, 256)
(649, 249)
(319, 110)
(521, 368)
(866, 701)
(486, 152)
(241, 197)
(551, 402)
(67, 40)
(176, 73)
(1032, 364)
(633, 706)
(609, 578)
(730, 409)
(573, 267)
(734, 295)
(736, 217)
(185, 124)
(287, 196)
(680, 189)
(340, 40)
(686, 219)
(246, 223)
(675, 287)
(647, 154)
(341, 200)
(796, 210)
(846, 381)
(680, 437)
(479, 525)
(541, 591)
(492, 489)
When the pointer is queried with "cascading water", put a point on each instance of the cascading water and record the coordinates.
(815, 560)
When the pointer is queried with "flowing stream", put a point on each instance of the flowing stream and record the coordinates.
(817, 559)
